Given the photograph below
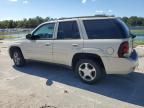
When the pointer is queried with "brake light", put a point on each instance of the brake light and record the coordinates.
(123, 50)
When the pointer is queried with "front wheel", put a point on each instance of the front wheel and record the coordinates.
(88, 71)
(18, 58)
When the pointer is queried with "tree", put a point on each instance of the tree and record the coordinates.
(125, 19)
(33, 22)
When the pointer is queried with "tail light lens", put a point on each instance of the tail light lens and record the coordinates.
(123, 50)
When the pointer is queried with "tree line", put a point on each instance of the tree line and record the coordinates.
(33, 22)
(134, 21)
(25, 23)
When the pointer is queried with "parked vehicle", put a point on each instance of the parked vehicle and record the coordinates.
(91, 46)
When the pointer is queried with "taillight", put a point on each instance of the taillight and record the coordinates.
(123, 50)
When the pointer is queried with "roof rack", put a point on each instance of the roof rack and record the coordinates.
(84, 17)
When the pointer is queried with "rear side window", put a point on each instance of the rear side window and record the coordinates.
(123, 28)
(68, 30)
(104, 29)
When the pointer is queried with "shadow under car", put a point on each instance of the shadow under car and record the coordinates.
(128, 88)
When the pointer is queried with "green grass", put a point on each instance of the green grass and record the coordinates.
(140, 42)
(4, 33)
(138, 32)
(6, 37)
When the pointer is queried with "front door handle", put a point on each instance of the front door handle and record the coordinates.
(75, 45)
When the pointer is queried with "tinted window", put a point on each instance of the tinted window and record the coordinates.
(45, 31)
(68, 30)
(103, 29)
(123, 27)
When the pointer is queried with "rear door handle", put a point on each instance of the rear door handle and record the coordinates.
(48, 44)
(75, 45)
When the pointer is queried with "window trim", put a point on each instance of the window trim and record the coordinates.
(44, 25)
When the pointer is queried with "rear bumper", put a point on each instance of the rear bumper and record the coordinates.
(121, 65)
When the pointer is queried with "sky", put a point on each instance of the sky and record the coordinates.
(19, 9)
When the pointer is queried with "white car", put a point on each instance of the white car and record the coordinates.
(91, 46)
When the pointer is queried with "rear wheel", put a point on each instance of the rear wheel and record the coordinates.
(18, 58)
(89, 71)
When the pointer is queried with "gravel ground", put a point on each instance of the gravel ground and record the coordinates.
(42, 85)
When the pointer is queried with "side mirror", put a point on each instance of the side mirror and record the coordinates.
(29, 36)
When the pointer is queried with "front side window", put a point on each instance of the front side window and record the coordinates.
(45, 31)
(103, 29)
(68, 30)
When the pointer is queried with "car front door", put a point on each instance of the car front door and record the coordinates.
(41, 44)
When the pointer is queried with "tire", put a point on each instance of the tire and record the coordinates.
(18, 58)
(89, 71)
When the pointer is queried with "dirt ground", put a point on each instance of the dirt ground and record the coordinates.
(42, 85)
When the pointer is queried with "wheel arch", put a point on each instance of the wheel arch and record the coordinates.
(91, 56)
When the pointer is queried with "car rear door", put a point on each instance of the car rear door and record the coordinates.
(68, 42)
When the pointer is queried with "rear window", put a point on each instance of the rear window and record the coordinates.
(106, 29)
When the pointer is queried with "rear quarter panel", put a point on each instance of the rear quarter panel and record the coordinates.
(103, 47)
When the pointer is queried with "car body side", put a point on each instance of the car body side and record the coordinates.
(64, 51)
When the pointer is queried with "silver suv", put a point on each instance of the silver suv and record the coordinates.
(91, 46)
